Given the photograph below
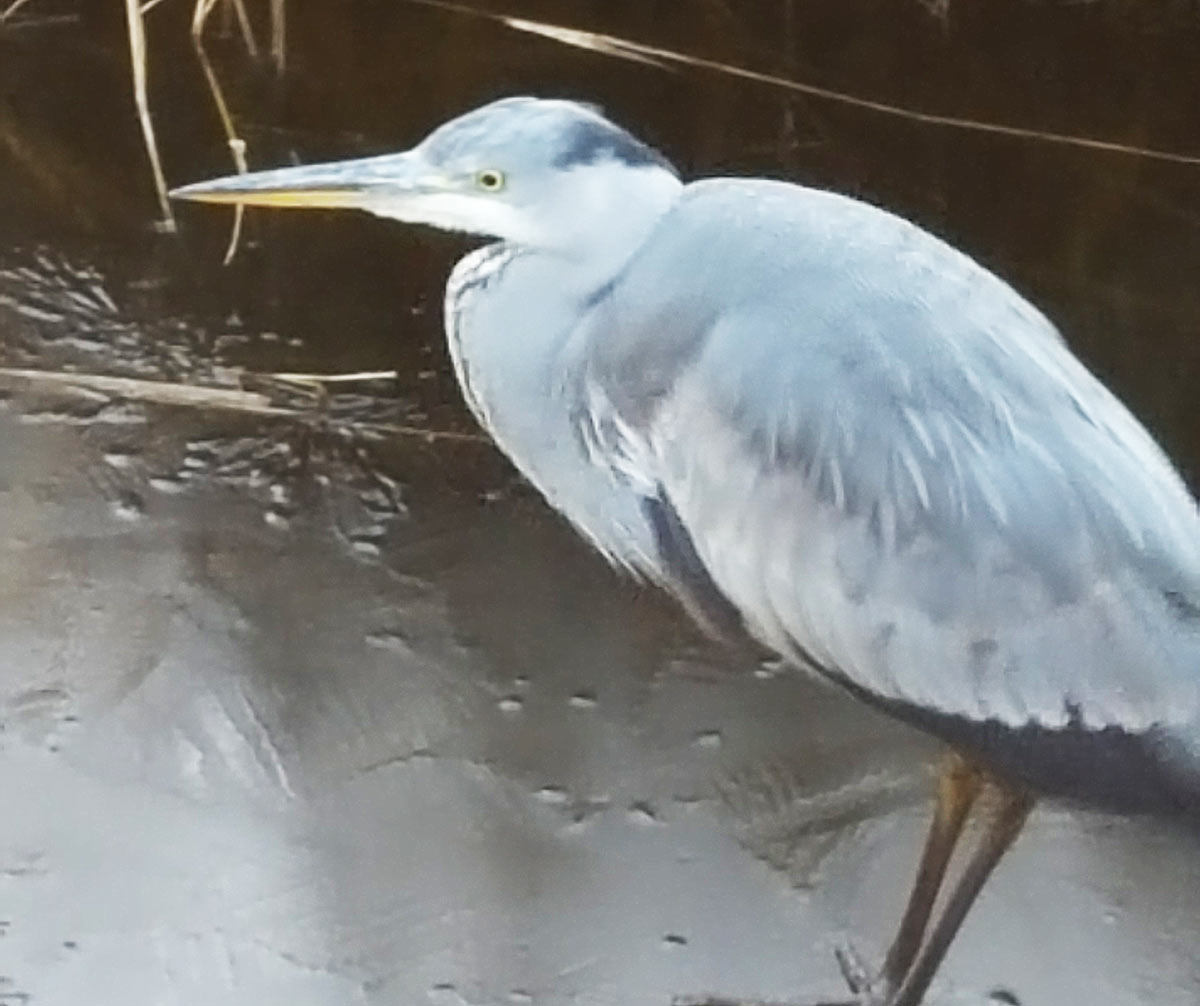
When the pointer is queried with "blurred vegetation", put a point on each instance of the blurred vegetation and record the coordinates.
(1009, 66)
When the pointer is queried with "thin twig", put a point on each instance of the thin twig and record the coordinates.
(48, 21)
(623, 48)
(243, 21)
(11, 9)
(279, 36)
(364, 375)
(200, 14)
(230, 399)
(137, 56)
(432, 436)
(237, 146)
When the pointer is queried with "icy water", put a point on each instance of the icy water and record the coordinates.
(321, 705)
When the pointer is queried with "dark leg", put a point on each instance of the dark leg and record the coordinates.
(1004, 821)
(958, 786)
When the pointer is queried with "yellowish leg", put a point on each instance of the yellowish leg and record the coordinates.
(912, 959)
(958, 787)
(1007, 810)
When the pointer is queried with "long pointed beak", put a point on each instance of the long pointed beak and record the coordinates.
(356, 184)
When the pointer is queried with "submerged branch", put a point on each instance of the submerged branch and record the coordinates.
(174, 393)
(140, 390)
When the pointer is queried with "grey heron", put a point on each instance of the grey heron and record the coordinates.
(818, 424)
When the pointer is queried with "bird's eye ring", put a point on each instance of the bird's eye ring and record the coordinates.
(490, 180)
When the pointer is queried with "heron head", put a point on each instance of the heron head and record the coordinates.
(548, 174)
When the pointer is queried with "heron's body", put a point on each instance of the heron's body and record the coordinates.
(912, 485)
(815, 421)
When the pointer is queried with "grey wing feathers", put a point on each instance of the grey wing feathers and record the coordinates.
(888, 460)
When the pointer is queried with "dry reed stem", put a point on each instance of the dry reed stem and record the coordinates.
(204, 8)
(623, 48)
(137, 56)
(237, 146)
(429, 436)
(362, 375)
(200, 14)
(279, 36)
(248, 39)
(11, 9)
(606, 45)
(48, 21)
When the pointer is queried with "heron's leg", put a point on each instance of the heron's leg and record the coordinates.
(904, 983)
(1008, 810)
(958, 786)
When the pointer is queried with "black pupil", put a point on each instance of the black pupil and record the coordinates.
(490, 180)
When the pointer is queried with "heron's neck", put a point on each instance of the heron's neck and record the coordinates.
(610, 215)
(509, 318)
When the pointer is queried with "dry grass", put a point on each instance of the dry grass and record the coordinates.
(136, 12)
(137, 53)
(12, 9)
(237, 145)
(610, 45)
(629, 49)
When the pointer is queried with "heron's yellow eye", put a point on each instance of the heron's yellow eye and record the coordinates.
(490, 180)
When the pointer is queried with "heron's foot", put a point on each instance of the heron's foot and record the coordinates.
(867, 988)
(872, 987)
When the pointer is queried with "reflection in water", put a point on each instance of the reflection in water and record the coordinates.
(296, 712)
